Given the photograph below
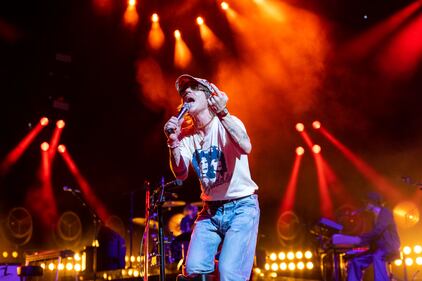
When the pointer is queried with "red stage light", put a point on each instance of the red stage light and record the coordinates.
(45, 146)
(316, 148)
(44, 121)
(60, 124)
(300, 127)
(300, 150)
(316, 125)
(61, 148)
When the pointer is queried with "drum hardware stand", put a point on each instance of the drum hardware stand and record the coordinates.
(149, 208)
(96, 221)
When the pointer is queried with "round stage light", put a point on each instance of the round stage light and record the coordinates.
(60, 124)
(224, 5)
(300, 150)
(45, 146)
(44, 121)
(154, 17)
(199, 20)
(61, 148)
(316, 125)
(177, 34)
(316, 148)
(300, 127)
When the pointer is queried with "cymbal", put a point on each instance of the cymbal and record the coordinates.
(170, 204)
(197, 204)
(142, 221)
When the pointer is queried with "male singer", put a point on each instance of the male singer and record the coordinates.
(217, 146)
(383, 240)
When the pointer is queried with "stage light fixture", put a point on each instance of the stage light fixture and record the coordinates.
(292, 266)
(177, 34)
(299, 255)
(300, 265)
(290, 255)
(316, 148)
(273, 256)
(274, 266)
(309, 265)
(408, 261)
(45, 146)
(283, 266)
(61, 148)
(199, 20)
(300, 150)
(417, 249)
(224, 5)
(44, 121)
(300, 127)
(60, 124)
(308, 255)
(131, 3)
(407, 250)
(419, 260)
(316, 125)
(281, 256)
(154, 17)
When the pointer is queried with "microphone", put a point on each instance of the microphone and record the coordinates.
(357, 211)
(70, 189)
(174, 183)
(182, 112)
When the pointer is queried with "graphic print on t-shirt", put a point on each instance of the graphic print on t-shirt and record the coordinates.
(210, 166)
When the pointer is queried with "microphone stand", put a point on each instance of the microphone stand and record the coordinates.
(159, 203)
(96, 221)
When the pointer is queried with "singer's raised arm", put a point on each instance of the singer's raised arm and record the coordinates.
(237, 132)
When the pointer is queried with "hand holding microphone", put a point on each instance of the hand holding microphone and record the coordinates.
(173, 127)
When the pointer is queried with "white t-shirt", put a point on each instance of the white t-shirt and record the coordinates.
(222, 170)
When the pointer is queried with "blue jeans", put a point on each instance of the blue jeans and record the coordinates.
(358, 264)
(235, 224)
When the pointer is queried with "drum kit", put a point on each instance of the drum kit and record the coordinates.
(175, 241)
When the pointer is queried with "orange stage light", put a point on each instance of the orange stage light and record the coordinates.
(224, 5)
(131, 16)
(182, 54)
(199, 20)
(45, 146)
(177, 34)
(300, 127)
(316, 148)
(155, 18)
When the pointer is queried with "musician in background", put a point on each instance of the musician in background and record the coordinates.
(383, 240)
(186, 224)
